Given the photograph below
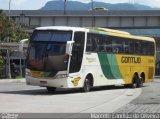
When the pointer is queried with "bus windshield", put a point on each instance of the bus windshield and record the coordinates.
(47, 51)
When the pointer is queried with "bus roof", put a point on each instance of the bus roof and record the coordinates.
(65, 28)
(118, 33)
(110, 30)
(97, 30)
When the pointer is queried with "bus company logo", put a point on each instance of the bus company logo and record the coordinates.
(135, 60)
(75, 81)
(91, 60)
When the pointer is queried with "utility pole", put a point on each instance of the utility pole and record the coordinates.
(65, 6)
(9, 11)
(8, 64)
(92, 15)
(8, 54)
(9, 7)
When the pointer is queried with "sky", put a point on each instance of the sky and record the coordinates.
(37, 4)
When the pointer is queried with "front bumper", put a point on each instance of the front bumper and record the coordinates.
(62, 83)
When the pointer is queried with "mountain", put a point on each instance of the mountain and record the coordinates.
(75, 5)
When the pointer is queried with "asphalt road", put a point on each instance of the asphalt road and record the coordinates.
(20, 98)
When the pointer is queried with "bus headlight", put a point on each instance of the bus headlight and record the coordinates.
(61, 76)
(28, 73)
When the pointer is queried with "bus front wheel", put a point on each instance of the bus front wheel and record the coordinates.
(87, 85)
(51, 89)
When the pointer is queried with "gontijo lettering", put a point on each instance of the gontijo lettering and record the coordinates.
(130, 59)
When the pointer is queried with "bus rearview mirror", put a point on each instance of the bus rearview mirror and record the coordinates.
(69, 47)
(21, 44)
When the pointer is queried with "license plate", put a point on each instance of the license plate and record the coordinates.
(37, 74)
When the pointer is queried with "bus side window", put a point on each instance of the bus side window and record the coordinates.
(128, 46)
(89, 45)
(137, 47)
(144, 48)
(151, 49)
(117, 44)
(126, 49)
(108, 42)
(94, 44)
(101, 43)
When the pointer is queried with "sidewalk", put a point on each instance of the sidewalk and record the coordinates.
(12, 80)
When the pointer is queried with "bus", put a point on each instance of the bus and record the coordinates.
(75, 57)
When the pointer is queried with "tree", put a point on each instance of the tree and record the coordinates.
(10, 31)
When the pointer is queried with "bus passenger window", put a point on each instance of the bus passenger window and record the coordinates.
(101, 45)
(89, 45)
(109, 48)
(117, 45)
(144, 48)
(92, 41)
(94, 44)
(137, 47)
(151, 49)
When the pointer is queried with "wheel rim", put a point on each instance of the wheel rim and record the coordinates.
(87, 85)
(134, 84)
(140, 82)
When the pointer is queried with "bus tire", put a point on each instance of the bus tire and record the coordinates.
(51, 89)
(140, 82)
(134, 81)
(87, 85)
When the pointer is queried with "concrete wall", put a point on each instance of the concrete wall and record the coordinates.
(120, 19)
(110, 21)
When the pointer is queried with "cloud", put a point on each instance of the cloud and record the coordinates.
(36, 4)
(152, 3)
(18, 2)
(107, 1)
(27, 4)
(113, 1)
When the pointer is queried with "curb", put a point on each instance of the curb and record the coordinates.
(12, 80)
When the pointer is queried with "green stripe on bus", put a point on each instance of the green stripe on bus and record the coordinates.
(105, 66)
(114, 66)
(109, 66)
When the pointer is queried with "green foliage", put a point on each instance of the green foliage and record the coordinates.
(10, 31)
(1, 61)
(1, 58)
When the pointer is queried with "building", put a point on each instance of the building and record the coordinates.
(143, 22)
